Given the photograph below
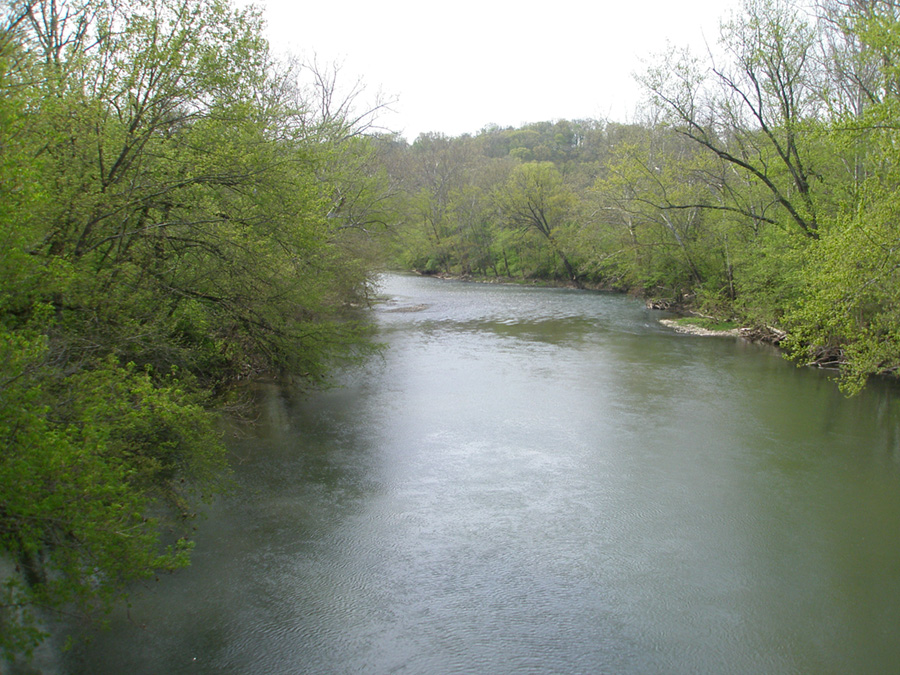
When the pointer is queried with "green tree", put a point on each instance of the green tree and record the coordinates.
(535, 200)
(753, 111)
(848, 313)
(848, 316)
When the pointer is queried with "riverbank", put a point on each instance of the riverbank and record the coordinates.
(679, 326)
(536, 282)
(691, 325)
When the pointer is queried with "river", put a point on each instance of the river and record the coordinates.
(535, 480)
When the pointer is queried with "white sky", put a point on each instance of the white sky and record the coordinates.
(455, 67)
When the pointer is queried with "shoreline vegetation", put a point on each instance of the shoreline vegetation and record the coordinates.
(760, 188)
(176, 223)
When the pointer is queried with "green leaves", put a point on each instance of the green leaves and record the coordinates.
(164, 200)
(536, 200)
(73, 499)
(848, 316)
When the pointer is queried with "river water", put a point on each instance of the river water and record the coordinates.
(542, 481)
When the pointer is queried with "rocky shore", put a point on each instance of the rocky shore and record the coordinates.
(765, 334)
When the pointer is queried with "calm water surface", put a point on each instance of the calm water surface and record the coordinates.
(542, 481)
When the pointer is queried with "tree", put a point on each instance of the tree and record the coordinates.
(78, 480)
(755, 114)
(656, 199)
(848, 313)
(848, 316)
(434, 170)
(534, 199)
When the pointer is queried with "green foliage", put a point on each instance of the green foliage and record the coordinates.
(849, 314)
(175, 218)
(535, 201)
(82, 461)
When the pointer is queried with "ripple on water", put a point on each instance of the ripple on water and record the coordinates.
(535, 481)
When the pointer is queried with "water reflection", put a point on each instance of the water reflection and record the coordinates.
(539, 480)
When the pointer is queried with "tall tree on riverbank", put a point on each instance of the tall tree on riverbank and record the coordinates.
(802, 110)
(848, 315)
(534, 200)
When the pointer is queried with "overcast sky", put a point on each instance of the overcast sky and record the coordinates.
(454, 67)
